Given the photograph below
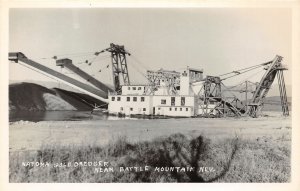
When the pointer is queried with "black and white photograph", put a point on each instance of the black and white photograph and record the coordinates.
(150, 95)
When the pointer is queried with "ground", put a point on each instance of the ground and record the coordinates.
(246, 149)
(31, 136)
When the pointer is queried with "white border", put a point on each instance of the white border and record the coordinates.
(4, 10)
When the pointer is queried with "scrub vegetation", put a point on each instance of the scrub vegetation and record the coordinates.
(226, 160)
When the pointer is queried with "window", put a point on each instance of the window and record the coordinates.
(128, 88)
(182, 101)
(170, 108)
(186, 109)
(118, 98)
(131, 109)
(121, 108)
(173, 101)
(142, 98)
(181, 109)
(112, 98)
(163, 101)
(139, 88)
(134, 98)
(175, 108)
(134, 88)
(128, 98)
(144, 109)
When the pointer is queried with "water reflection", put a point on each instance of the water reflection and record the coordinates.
(36, 116)
(55, 116)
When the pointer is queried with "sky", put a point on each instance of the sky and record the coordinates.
(217, 40)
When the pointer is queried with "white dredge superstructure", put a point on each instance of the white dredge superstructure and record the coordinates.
(159, 99)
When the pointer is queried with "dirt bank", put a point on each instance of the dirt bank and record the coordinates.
(33, 97)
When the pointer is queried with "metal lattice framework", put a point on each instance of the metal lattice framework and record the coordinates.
(171, 78)
(119, 65)
(211, 93)
(212, 88)
(246, 88)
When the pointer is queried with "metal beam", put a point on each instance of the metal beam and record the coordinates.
(20, 57)
(68, 64)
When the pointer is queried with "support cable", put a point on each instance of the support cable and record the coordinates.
(242, 72)
(263, 64)
(139, 62)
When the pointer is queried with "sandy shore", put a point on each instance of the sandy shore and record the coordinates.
(32, 136)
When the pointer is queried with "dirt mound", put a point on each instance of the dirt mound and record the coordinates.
(27, 96)
(33, 97)
(56, 103)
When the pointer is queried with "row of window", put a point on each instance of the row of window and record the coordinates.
(180, 109)
(128, 99)
(171, 109)
(182, 101)
(135, 88)
(176, 109)
(131, 109)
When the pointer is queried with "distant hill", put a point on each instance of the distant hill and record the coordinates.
(33, 97)
(274, 91)
(273, 103)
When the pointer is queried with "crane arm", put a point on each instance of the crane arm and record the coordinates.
(20, 57)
